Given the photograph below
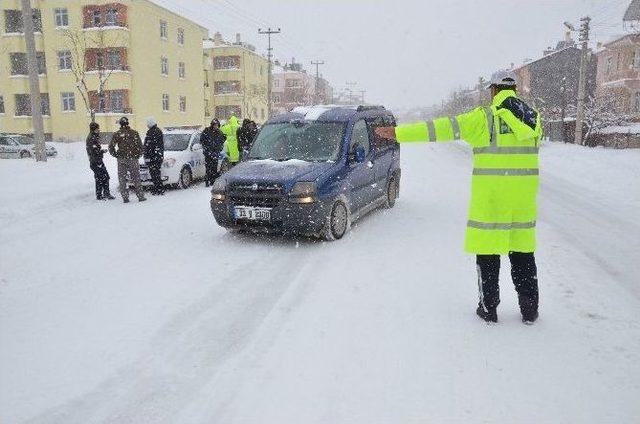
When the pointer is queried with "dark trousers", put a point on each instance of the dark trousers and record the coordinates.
(523, 272)
(101, 175)
(211, 167)
(156, 176)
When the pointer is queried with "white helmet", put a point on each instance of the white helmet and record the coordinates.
(506, 81)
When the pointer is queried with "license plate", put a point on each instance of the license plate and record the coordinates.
(252, 214)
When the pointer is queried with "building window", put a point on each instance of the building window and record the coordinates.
(226, 87)
(276, 98)
(1, 105)
(225, 112)
(114, 60)
(165, 102)
(609, 65)
(96, 18)
(164, 66)
(226, 62)
(207, 112)
(181, 70)
(181, 36)
(13, 21)
(276, 83)
(111, 17)
(64, 60)
(636, 102)
(102, 103)
(68, 102)
(293, 83)
(19, 64)
(183, 104)
(23, 104)
(117, 101)
(164, 31)
(61, 16)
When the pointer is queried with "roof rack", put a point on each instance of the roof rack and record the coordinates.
(363, 108)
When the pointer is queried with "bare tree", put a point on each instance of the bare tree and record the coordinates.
(79, 42)
(600, 113)
(254, 97)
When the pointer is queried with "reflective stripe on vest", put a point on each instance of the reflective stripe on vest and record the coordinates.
(507, 150)
(431, 128)
(456, 128)
(506, 172)
(501, 226)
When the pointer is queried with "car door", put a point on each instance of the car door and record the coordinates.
(384, 151)
(5, 151)
(361, 175)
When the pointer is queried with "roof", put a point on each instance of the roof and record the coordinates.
(325, 113)
(550, 55)
(633, 12)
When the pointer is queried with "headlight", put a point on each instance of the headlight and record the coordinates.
(168, 163)
(303, 192)
(218, 190)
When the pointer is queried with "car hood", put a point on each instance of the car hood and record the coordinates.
(271, 171)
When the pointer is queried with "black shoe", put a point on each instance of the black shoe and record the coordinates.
(529, 318)
(125, 200)
(99, 198)
(490, 315)
(109, 197)
(142, 199)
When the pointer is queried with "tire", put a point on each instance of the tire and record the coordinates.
(338, 221)
(393, 191)
(186, 178)
(25, 154)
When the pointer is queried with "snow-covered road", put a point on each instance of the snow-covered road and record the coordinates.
(150, 313)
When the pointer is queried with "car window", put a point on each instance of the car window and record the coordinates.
(176, 142)
(24, 140)
(4, 141)
(360, 135)
(381, 143)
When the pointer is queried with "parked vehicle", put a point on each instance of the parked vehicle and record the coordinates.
(313, 171)
(183, 159)
(21, 146)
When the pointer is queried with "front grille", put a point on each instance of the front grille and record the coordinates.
(257, 195)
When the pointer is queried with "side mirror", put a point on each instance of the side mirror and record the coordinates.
(196, 147)
(359, 154)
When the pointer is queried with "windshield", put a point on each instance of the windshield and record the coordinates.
(24, 140)
(309, 141)
(176, 142)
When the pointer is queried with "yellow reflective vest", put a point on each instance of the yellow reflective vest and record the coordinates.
(504, 186)
(230, 129)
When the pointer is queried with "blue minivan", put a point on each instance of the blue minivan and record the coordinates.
(312, 171)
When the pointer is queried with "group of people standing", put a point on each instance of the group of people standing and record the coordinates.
(234, 139)
(127, 147)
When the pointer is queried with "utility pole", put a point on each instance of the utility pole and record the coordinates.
(34, 83)
(582, 82)
(316, 94)
(268, 32)
(350, 84)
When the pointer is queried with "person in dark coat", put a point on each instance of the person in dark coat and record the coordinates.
(246, 134)
(126, 147)
(95, 153)
(154, 154)
(212, 141)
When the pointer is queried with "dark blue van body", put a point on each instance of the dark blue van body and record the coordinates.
(314, 197)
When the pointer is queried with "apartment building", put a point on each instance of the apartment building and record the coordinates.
(292, 86)
(130, 58)
(236, 78)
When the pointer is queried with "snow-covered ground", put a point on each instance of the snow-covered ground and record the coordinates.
(151, 313)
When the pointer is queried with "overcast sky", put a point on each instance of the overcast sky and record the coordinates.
(404, 52)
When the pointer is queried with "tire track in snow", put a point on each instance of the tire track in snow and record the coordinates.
(190, 349)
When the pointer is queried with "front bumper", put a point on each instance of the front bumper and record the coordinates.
(288, 218)
(145, 175)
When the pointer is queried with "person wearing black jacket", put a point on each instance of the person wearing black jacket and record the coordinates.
(246, 134)
(154, 154)
(95, 153)
(212, 141)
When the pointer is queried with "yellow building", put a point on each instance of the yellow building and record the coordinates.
(236, 77)
(130, 58)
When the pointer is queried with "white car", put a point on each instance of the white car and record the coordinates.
(183, 159)
(21, 146)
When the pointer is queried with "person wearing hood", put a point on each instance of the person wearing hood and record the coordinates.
(126, 147)
(246, 134)
(154, 155)
(95, 153)
(212, 141)
(230, 129)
